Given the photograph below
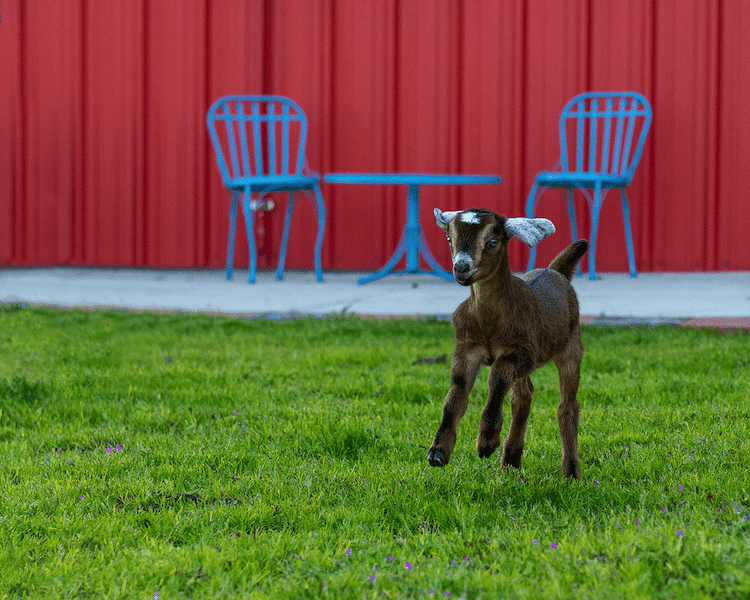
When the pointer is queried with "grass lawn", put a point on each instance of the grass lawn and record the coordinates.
(179, 456)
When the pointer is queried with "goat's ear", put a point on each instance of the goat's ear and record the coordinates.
(443, 219)
(530, 231)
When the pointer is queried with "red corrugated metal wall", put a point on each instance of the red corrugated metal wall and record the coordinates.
(107, 161)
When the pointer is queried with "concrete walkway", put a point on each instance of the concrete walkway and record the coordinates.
(721, 298)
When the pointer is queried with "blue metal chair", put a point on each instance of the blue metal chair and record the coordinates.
(601, 141)
(260, 149)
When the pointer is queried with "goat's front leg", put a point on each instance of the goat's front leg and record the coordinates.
(520, 403)
(501, 375)
(463, 374)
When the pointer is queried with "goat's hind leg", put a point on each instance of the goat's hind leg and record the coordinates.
(463, 375)
(569, 369)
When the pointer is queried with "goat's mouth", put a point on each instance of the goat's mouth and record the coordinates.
(465, 278)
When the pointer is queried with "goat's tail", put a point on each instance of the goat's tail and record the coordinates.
(567, 261)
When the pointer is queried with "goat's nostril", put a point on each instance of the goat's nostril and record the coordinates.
(461, 268)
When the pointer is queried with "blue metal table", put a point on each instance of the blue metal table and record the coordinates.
(413, 242)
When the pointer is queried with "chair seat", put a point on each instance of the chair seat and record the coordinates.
(269, 184)
(583, 180)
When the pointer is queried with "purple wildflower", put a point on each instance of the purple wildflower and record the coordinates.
(67, 462)
(554, 545)
(596, 481)
(109, 450)
(118, 448)
(372, 577)
(534, 542)
(466, 559)
(665, 510)
(638, 522)
(408, 566)
(680, 487)
(390, 559)
(679, 534)
(348, 551)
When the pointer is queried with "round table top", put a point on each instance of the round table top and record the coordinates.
(411, 178)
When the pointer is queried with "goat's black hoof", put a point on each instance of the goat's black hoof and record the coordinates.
(512, 458)
(571, 469)
(436, 458)
(485, 452)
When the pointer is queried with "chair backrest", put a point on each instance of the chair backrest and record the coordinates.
(257, 137)
(604, 133)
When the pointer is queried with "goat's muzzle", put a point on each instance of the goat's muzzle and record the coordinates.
(463, 271)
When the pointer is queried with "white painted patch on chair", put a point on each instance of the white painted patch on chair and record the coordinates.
(470, 217)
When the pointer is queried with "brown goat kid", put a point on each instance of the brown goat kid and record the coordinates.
(514, 326)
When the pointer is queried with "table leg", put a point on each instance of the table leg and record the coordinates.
(416, 241)
(430, 259)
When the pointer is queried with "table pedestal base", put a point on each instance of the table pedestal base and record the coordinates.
(412, 244)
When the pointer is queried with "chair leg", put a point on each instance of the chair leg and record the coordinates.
(573, 225)
(530, 205)
(628, 233)
(285, 236)
(250, 234)
(572, 215)
(595, 208)
(321, 211)
(232, 226)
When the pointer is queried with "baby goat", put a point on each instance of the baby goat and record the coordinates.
(514, 326)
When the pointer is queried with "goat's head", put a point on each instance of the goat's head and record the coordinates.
(479, 238)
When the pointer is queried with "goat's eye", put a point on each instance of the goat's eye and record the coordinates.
(491, 243)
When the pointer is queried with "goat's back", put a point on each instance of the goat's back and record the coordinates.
(558, 306)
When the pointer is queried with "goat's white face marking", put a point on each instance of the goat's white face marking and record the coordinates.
(463, 257)
(470, 217)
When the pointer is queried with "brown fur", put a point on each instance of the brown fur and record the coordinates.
(513, 325)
